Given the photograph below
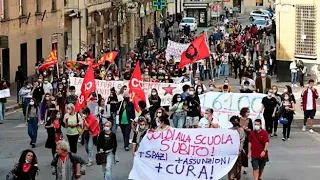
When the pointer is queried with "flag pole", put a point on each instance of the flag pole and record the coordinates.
(57, 65)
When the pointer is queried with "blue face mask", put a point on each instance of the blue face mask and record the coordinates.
(106, 128)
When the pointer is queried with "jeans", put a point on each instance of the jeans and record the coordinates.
(225, 70)
(107, 168)
(25, 105)
(218, 71)
(125, 129)
(178, 119)
(42, 111)
(88, 143)
(293, 77)
(2, 111)
(33, 129)
(114, 124)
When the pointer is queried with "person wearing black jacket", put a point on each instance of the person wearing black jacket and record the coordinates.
(107, 143)
(193, 113)
(126, 116)
(27, 167)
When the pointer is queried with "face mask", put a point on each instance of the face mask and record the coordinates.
(199, 90)
(40, 80)
(191, 93)
(58, 116)
(226, 83)
(158, 124)
(60, 87)
(245, 87)
(27, 161)
(206, 116)
(196, 82)
(178, 99)
(28, 87)
(263, 75)
(142, 127)
(166, 77)
(285, 90)
(106, 128)
(64, 81)
(44, 73)
(53, 102)
(235, 124)
(211, 88)
(47, 98)
(148, 116)
(286, 98)
(154, 93)
(109, 78)
(72, 93)
(257, 127)
(159, 114)
(31, 103)
(45, 82)
(270, 94)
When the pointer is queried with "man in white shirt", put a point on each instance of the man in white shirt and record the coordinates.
(252, 83)
(294, 70)
(208, 121)
(47, 87)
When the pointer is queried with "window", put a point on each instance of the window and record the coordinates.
(306, 35)
(22, 7)
(259, 2)
(54, 5)
(38, 6)
(185, 20)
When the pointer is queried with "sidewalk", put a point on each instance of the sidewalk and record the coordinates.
(12, 104)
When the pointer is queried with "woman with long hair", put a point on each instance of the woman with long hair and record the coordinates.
(278, 98)
(112, 106)
(163, 123)
(27, 167)
(43, 106)
(200, 89)
(53, 127)
(139, 134)
(102, 112)
(158, 113)
(155, 101)
(74, 124)
(33, 119)
(121, 91)
(178, 111)
(247, 126)
(287, 111)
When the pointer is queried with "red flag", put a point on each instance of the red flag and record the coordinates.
(110, 56)
(86, 62)
(197, 50)
(136, 87)
(88, 86)
(52, 56)
(46, 65)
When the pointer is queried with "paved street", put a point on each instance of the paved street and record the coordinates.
(292, 160)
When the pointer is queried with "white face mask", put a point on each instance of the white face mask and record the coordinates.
(148, 116)
(199, 90)
(191, 93)
(154, 93)
(64, 81)
(158, 124)
(196, 82)
(211, 88)
(178, 99)
(285, 90)
(270, 94)
(257, 127)
(206, 116)
(27, 161)
(31, 103)
(58, 116)
(142, 127)
(159, 114)
(245, 87)
(286, 97)
(226, 83)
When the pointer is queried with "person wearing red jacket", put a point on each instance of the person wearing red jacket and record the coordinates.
(309, 105)
(92, 130)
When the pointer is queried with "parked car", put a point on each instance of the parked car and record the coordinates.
(188, 21)
(258, 14)
(260, 23)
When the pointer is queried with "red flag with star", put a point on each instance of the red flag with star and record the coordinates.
(88, 86)
(197, 50)
(136, 87)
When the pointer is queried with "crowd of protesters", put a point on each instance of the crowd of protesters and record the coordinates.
(236, 52)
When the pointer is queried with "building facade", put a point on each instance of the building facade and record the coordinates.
(29, 30)
(246, 6)
(297, 35)
(97, 24)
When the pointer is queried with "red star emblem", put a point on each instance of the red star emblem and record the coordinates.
(169, 90)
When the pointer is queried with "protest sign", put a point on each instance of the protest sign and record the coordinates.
(186, 154)
(5, 93)
(165, 90)
(175, 49)
(226, 105)
(177, 80)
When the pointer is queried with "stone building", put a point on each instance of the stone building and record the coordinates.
(29, 29)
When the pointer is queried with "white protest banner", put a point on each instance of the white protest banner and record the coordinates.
(5, 93)
(165, 90)
(226, 105)
(175, 49)
(186, 154)
(177, 80)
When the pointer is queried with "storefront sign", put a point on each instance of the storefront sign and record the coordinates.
(142, 11)
(175, 49)
(186, 154)
(165, 90)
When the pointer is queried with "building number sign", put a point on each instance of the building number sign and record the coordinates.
(159, 4)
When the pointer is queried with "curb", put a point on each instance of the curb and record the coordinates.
(12, 108)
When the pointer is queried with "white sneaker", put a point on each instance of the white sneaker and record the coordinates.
(304, 128)
(89, 163)
(296, 85)
(311, 131)
(291, 85)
